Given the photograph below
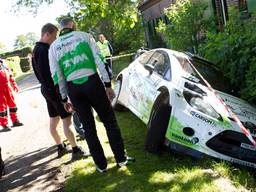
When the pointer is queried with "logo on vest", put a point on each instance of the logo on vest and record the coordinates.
(77, 59)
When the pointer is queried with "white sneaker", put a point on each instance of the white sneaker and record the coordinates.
(126, 162)
(101, 170)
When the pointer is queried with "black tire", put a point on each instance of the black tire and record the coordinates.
(158, 123)
(117, 106)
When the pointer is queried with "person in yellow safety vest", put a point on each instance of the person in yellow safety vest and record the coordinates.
(106, 51)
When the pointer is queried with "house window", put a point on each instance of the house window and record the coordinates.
(242, 5)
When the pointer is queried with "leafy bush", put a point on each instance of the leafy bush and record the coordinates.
(233, 50)
(25, 64)
(20, 52)
(189, 23)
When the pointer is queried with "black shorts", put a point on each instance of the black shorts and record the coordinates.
(54, 105)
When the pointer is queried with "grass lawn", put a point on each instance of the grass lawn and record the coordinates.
(167, 171)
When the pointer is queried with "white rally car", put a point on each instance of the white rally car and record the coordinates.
(167, 90)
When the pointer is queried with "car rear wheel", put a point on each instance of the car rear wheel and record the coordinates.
(117, 89)
(158, 124)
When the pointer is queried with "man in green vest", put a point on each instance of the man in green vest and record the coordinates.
(74, 59)
(106, 51)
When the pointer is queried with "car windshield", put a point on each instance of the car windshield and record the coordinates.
(213, 76)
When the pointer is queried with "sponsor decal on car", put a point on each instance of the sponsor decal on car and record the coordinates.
(204, 119)
(174, 133)
(185, 139)
(247, 146)
(245, 113)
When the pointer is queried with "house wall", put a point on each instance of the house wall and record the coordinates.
(151, 10)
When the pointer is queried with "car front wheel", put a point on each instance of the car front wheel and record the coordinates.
(158, 124)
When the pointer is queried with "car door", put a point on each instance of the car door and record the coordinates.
(144, 84)
(136, 82)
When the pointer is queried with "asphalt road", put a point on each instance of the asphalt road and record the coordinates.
(28, 151)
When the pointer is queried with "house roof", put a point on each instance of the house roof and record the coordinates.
(144, 4)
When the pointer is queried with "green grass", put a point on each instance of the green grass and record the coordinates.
(167, 171)
(120, 63)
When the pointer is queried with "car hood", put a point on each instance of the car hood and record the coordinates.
(244, 111)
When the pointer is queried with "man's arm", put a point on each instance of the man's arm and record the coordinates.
(57, 74)
(98, 61)
(110, 48)
(11, 79)
(41, 67)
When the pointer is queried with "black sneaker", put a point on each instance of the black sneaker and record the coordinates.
(101, 170)
(128, 161)
(62, 150)
(6, 128)
(79, 154)
(1, 168)
(17, 124)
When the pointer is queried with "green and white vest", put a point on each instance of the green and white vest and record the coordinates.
(74, 57)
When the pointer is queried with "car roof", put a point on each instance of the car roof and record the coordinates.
(189, 55)
(172, 52)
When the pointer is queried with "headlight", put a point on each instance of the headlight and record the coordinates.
(199, 104)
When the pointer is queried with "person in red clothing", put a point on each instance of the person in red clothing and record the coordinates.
(7, 83)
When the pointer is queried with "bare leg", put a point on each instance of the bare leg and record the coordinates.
(67, 131)
(53, 129)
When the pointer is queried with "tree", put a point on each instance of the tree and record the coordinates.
(27, 40)
(189, 24)
(234, 52)
(118, 20)
(32, 5)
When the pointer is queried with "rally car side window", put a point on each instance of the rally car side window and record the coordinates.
(161, 63)
(144, 58)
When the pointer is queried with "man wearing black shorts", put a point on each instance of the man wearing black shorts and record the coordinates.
(55, 107)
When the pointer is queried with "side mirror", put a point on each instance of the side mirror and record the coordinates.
(150, 68)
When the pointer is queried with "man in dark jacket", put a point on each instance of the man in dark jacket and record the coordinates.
(55, 107)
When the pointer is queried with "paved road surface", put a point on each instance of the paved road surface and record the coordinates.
(28, 150)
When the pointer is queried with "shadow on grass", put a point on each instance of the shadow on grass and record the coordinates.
(23, 170)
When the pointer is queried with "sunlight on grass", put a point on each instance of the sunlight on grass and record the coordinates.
(161, 177)
(240, 177)
(187, 180)
(125, 170)
(111, 186)
(223, 168)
